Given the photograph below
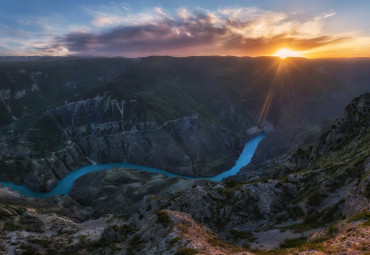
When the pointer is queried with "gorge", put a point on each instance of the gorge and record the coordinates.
(294, 134)
(64, 186)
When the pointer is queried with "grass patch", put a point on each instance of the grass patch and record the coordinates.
(332, 230)
(43, 242)
(237, 235)
(293, 242)
(174, 241)
(315, 220)
(218, 242)
(134, 245)
(367, 191)
(364, 215)
(28, 250)
(187, 251)
(314, 199)
(11, 226)
(163, 218)
(295, 211)
(231, 186)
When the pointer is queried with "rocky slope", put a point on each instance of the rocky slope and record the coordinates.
(29, 86)
(316, 201)
(190, 115)
(333, 185)
(123, 190)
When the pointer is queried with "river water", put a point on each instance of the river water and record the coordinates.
(64, 186)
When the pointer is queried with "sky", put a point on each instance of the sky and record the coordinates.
(138, 28)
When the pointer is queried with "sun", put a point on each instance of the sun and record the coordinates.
(283, 53)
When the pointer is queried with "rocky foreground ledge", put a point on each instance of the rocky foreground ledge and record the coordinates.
(317, 201)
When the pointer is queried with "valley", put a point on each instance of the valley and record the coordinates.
(131, 156)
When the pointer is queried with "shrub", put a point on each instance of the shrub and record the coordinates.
(173, 241)
(163, 218)
(293, 242)
(367, 191)
(314, 199)
(237, 235)
(133, 245)
(332, 230)
(11, 226)
(186, 251)
(364, 215)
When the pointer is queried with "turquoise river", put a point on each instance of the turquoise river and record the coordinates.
(64, 186)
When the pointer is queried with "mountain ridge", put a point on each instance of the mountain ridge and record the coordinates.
(300, 209)
(226, 95)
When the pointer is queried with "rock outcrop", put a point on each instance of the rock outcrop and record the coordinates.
(191, 116)
(310, 200)
(122, 191)
(354, 122)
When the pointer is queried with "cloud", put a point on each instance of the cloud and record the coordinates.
(241, 31)
(123, 16)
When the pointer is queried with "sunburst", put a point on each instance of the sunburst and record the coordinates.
(284, 53)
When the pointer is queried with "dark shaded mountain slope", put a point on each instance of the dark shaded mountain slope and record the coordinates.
(316, 201)
(188, 115)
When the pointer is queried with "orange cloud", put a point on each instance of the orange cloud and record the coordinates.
(242, 32)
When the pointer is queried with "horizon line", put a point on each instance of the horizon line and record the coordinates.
(190, 56)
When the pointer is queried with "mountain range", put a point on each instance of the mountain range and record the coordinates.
(306, 187)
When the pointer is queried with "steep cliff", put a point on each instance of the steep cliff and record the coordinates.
(265, 212)
(315, 199)
(191, 116)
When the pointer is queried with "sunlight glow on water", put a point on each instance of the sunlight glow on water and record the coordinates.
(64, 186)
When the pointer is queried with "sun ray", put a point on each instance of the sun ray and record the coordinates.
(284, 53)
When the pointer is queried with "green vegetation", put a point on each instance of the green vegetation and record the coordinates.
(174, 241)
(11, 226)
(46, 138)
(367, 191)
(134, 245)
(237, 235)
(28, 250)
(231, 186)
(56, 80)
(43, 242)
(186, 251)
(314, 199)
(124, 230)
(348, 157)
(315, 219)
(332, 230)
(293, 242)
(82, 238)
(295, 211)
(215, 241)
(364, 215)
(163, 218)
(222, 162)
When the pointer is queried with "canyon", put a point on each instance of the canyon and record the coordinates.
(307, 181)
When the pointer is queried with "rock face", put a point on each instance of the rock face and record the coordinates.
(28, 87)
(105, 130)
(123, 190)
(126, 130)
(355, 121)
(332, 186)
(191, 116)
(300, 202)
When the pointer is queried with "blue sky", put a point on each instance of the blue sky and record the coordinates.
(138, 28)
